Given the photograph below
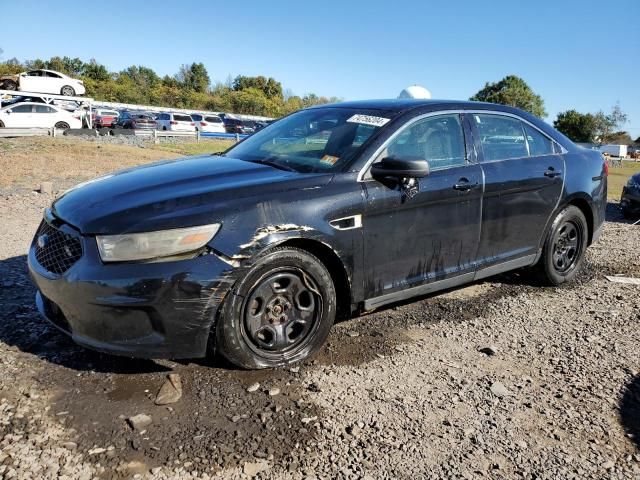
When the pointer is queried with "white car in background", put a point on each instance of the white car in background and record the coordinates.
(38, 115)
(43, 81)
(175, 122)
(208, 123)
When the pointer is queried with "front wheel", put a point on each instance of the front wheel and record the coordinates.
(62, 125)
(281, 312)
(67, 91)
(1, 124)
(564, 247)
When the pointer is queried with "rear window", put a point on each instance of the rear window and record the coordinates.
(109, 113)
(538, 143)
(182, 118)
(502, 137)
(213, 119)
(196, 117)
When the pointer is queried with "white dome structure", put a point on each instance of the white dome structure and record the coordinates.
(415, 91)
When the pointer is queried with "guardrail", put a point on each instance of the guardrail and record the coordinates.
(156, 134)
(25, 132)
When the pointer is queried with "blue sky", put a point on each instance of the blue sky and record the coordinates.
(581, 54)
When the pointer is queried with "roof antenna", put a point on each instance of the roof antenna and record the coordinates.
(415, 91)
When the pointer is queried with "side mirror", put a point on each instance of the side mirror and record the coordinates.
(400, 168)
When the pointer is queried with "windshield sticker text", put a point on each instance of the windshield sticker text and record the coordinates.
(368, 120)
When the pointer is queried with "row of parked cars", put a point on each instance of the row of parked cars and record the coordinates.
(170, 121)
(28, 112)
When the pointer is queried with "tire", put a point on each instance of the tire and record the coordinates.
(68, 91)
(62, 125)
(1, 124)
(164, 129)
(564, 247)
(9, 85)
(290, 296)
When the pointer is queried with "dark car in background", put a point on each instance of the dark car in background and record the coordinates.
(135, 120)
(234, 125)
(328, 212)
(630, 199)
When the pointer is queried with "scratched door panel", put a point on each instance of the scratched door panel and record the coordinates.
(412, 241)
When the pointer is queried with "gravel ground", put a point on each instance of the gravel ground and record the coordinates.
(502, 379)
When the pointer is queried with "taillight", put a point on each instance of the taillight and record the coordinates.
(173, 122)
(192, 124)
(77, 117)
(606, 166)
(204, 124)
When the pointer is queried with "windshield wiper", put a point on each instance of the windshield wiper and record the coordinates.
(272, 163)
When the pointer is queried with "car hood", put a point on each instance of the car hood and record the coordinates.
(174, 194)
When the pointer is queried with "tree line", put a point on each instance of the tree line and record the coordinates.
(191, 87)
(596, 127)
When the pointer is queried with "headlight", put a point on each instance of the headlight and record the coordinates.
(163, 243)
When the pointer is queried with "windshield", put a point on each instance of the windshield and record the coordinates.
(314, 140)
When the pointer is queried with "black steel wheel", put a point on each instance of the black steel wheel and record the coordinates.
(564, 247)
(280, 312)
(62, 125)
(68, 91)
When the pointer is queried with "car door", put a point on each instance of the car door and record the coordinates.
(31, 81)
(54, 83)
(413, 240)
(44, 116)
(21, 116)
(524, 177)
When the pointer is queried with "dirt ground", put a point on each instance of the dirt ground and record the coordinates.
(501, 379)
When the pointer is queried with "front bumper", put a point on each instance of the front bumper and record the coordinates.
(630, 200)
(146, 310)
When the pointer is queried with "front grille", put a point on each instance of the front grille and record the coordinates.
(55, 250)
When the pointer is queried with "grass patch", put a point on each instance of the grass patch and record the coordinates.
(204, 146)
(618, 177)
(26, 162)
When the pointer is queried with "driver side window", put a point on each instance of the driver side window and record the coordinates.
(439, 140)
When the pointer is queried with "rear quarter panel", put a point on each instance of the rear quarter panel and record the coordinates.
(585, 179)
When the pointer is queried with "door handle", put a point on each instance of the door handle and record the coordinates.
(552, 173)
(464, 185)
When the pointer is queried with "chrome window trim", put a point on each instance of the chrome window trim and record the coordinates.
(563, 150)
(362, 174)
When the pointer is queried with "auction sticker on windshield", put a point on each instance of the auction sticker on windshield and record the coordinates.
(368, 120)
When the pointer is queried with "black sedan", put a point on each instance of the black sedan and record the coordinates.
(630, 200)
(330, 211)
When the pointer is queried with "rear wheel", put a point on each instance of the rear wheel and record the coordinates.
(68, 91)
(1, 124)
(564, 247)
(8, 85)
(280, 313)
(62, 125)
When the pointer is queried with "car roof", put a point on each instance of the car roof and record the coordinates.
(399, 105)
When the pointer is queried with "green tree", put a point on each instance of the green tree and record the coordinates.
(194, 77)
(269, 86)
(607, 124)
(96, 71)
(579, 127)
(513, 91)
(593, 127)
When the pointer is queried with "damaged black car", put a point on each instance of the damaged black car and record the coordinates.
(328, 212)
(630, 199)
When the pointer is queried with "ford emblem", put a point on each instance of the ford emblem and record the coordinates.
(43, 240)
